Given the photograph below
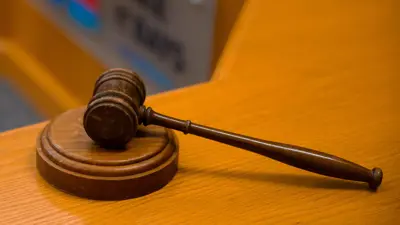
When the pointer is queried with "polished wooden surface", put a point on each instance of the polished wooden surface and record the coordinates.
(320, 74)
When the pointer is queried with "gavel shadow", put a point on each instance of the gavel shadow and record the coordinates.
(308, 181)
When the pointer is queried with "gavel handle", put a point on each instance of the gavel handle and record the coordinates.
(300, 157)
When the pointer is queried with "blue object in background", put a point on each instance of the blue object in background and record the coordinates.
(83, 12)
(86, 15)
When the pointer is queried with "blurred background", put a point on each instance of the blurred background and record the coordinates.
(52, 51)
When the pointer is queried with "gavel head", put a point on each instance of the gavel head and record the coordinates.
(112, 115)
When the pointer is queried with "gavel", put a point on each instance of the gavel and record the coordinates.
(116, 110)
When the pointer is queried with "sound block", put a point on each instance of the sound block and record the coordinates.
(70, 161)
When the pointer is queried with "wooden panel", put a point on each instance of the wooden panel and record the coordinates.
(52, 48)
(51, 70)
(34, 80)
(227, 13)
(5, 14)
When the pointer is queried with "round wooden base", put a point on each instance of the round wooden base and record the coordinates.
(69, 160)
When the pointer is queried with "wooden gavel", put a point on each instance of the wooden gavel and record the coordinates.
(116, 110)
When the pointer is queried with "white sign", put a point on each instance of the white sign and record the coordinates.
(168, 42)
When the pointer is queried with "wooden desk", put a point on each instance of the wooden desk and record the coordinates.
(322, 75)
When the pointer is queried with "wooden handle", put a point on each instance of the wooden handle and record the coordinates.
(300, 157)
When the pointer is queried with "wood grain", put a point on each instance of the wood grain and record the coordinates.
(321, 74)
(68, 159)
